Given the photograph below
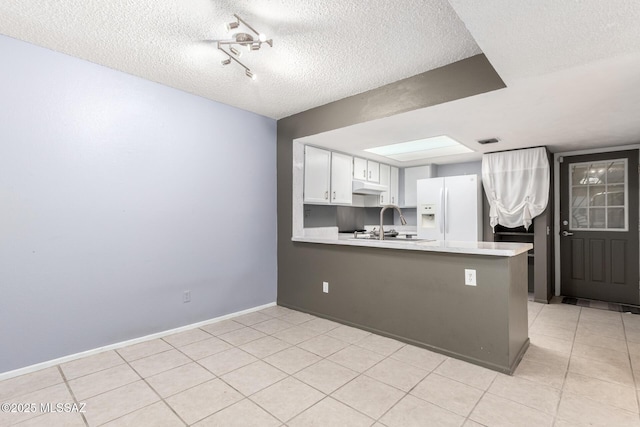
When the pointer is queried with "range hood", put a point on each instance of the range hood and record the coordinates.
(365, 187)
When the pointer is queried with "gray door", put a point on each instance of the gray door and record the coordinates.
(599, 226)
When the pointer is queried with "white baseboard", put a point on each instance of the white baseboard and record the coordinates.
(64, 359)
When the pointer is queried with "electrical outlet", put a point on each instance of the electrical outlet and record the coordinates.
(325, 287)
(469, 277)
(186, 296)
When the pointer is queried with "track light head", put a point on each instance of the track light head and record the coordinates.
(226, 61)
(235, 51)
(262, 37)
(250, 75)
(255, 46)
(269, 42)
(232, 25)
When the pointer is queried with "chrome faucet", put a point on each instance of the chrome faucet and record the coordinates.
(384, 208)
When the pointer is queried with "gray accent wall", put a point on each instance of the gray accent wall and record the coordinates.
(118, 194)
(302, 266)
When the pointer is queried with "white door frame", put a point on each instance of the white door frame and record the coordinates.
(556, 198)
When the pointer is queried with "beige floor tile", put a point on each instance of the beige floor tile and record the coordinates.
(496, 411)
(17, 386)
(187, 337)
(600, 316)
(528, 393)
(241, 336)
(604, 371)
(99, 382)
(448, 394)
(297, 317)
(546, 374)
(287, 398)
(227, 361)
(242, 414)
(222, 327)
(623, 397)
(397, 374)
(199, 402)
(420, 357)
(632, 335)
(584, 411)
(253, 378)
(357, 358)
(116, 403)
(606, 355)
(179, 379)
(201, 349)
(330, 412)
(600, 341)
(272, 326)
(143, 349)
(156, 415)
(252, 318)
(57, 393)
(414, 412)
(552, 331)
(54, 419)
(90, 364)
(326, 376)
(571, 326)
(323, 345)
(320, 325)
(551, 343)
(471, 423)
(546, 356)
(634, 348)
(601, 329)
(475, 376)
(382, 345)
(368, 396)
(276, 311)
(264, 347)
(152, 365)
(296, 335)
(348, 334)
(292, 360)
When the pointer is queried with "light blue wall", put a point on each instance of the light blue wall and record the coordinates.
(116, 195)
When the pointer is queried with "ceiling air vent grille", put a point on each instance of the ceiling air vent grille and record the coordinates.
(488, 141)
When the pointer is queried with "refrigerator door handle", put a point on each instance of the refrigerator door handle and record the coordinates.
(446, 210)
(441, 210)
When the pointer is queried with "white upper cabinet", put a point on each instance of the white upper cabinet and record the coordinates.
(341, 178)
(360, 169)
(317, 172)
(394, 185)
(385, 177)
(373, 171)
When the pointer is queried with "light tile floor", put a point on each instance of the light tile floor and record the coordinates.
(279, 367)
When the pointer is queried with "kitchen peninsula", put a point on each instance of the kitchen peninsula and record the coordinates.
(413, 291)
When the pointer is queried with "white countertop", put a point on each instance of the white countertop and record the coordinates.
(331, 237)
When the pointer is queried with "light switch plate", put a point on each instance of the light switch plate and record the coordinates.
(325, 287)
(469, 277)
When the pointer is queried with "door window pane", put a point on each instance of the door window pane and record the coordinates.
(598, 194)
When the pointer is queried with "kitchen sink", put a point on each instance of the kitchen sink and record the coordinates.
(391, 239)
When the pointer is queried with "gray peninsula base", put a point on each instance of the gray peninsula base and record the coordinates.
(417, 297)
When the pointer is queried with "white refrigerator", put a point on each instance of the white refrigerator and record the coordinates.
(450, 208)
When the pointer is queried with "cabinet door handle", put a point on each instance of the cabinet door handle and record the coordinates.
(364, 173)
(393, 200)
(326, 195)
(381, 199)
(334, 195)
(369, 174)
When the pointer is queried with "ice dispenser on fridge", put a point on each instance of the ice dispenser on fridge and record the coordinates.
(427, 216)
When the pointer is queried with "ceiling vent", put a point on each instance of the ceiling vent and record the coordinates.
(488, 141)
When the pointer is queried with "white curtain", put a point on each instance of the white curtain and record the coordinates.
(517, 185)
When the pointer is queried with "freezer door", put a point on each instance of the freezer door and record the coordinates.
(463, 208)
(430, 208)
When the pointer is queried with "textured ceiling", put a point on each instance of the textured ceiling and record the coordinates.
(323, 50)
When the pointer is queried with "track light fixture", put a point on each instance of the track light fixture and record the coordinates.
(242, 39)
